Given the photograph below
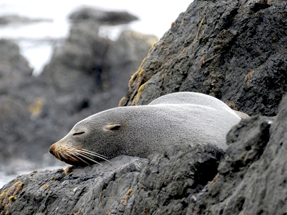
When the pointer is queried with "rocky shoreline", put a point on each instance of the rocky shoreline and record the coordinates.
(233, 50)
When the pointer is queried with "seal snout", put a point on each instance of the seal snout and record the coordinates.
(51, 149)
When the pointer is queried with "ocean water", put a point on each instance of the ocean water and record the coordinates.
(37, 40)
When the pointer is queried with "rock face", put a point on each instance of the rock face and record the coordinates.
(15, 116)
(13, 66)
(233, 50)
(162, 185)
(131, 46)
(252, 178)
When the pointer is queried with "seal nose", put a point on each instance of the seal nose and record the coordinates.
(51, 149)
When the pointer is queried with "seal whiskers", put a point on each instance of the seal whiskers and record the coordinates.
(64, 155)
(76, 155)
(86, 157)
(87, 152)
(79, 158)
(90, 155)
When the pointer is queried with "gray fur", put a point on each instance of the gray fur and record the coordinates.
(177, 118)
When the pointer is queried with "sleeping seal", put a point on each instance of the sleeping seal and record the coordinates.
(177, 118)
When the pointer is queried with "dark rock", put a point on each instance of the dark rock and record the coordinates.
(11, 112)
(251, 180)
(25, 127)
(233, 50)
(76, 66)
(15, 116)
(162, 185)
(102, 17)
(132, 47)
(28, 122)
(98, 67)
(19, 20)
(13, 66)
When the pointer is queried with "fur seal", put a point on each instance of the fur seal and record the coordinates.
(176, 118)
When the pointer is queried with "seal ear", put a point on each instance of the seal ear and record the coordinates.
(112, 126)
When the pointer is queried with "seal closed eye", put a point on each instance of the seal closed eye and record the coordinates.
(113, 126)
(178, 118)
(78, 133)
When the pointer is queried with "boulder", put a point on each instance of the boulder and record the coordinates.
(162, 184)
(233, 50)
(13, 66)
(101, 16)
(20, 102)
(98, 67)
(251, 180)
(26, 126)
